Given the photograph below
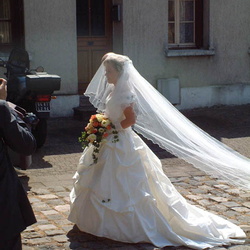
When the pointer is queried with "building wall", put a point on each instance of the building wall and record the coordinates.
(222, 78)
(145, 40)
(145, 36)
(50, 39)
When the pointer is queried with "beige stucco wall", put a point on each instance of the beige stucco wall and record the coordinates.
(145, 37)
(223, 78)
(230, 21)
(50, 39)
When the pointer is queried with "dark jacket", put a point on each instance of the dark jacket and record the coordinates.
(15, 210)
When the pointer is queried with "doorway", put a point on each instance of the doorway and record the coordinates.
(94, 37)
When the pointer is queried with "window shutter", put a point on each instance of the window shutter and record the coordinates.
(199, 23)
(17, 20)
(15, 27)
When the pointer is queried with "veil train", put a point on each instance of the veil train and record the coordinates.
(159, 121)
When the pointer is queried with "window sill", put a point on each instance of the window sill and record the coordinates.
(190, 52)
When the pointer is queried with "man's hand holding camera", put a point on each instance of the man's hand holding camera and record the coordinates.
(3, 89)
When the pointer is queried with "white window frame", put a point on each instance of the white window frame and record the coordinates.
(204, 44)
(177, 22)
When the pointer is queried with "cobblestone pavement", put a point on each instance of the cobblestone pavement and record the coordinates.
(49, 180)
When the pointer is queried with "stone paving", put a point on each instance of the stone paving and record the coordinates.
(49, 180)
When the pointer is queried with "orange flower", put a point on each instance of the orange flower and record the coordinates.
(108, 127)
(95, 124)
(105, 135)
(92, 117)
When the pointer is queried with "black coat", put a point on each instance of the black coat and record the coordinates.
(15, 210)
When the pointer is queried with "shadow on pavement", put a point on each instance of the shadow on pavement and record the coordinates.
(218, 121)
(24, 180)
(222, 121)
(81, 240)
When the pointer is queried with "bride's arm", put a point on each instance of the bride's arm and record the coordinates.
(130, 117)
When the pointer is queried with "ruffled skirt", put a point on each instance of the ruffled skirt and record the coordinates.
(127, 197)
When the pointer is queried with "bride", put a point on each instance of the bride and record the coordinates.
(125, 195)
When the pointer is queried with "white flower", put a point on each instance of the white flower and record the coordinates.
(99, 117)
(105, 123)
(101, 130)
(89, 126)
(91, 137)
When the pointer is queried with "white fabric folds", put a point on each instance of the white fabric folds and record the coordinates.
(127, 197)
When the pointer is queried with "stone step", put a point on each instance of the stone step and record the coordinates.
(84, 101)
(83, 113)
(85, 109)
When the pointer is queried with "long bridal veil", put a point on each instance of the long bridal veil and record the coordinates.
(159, 121)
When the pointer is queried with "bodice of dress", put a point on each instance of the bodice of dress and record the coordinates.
(113, 109)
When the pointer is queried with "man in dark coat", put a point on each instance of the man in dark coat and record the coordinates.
(15, 210)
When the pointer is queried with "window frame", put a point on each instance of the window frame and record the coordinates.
(17, 26)
(198, 27)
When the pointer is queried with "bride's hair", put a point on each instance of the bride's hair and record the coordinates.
(106, 56)
(116, 60)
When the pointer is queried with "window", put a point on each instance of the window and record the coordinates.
(90, 18)
(11, 24)
(185, 24)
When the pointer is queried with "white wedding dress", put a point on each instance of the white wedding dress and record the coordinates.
(127, 197)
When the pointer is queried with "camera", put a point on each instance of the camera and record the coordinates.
(30, 119)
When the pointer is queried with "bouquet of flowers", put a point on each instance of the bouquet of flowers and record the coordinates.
(95, 133)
